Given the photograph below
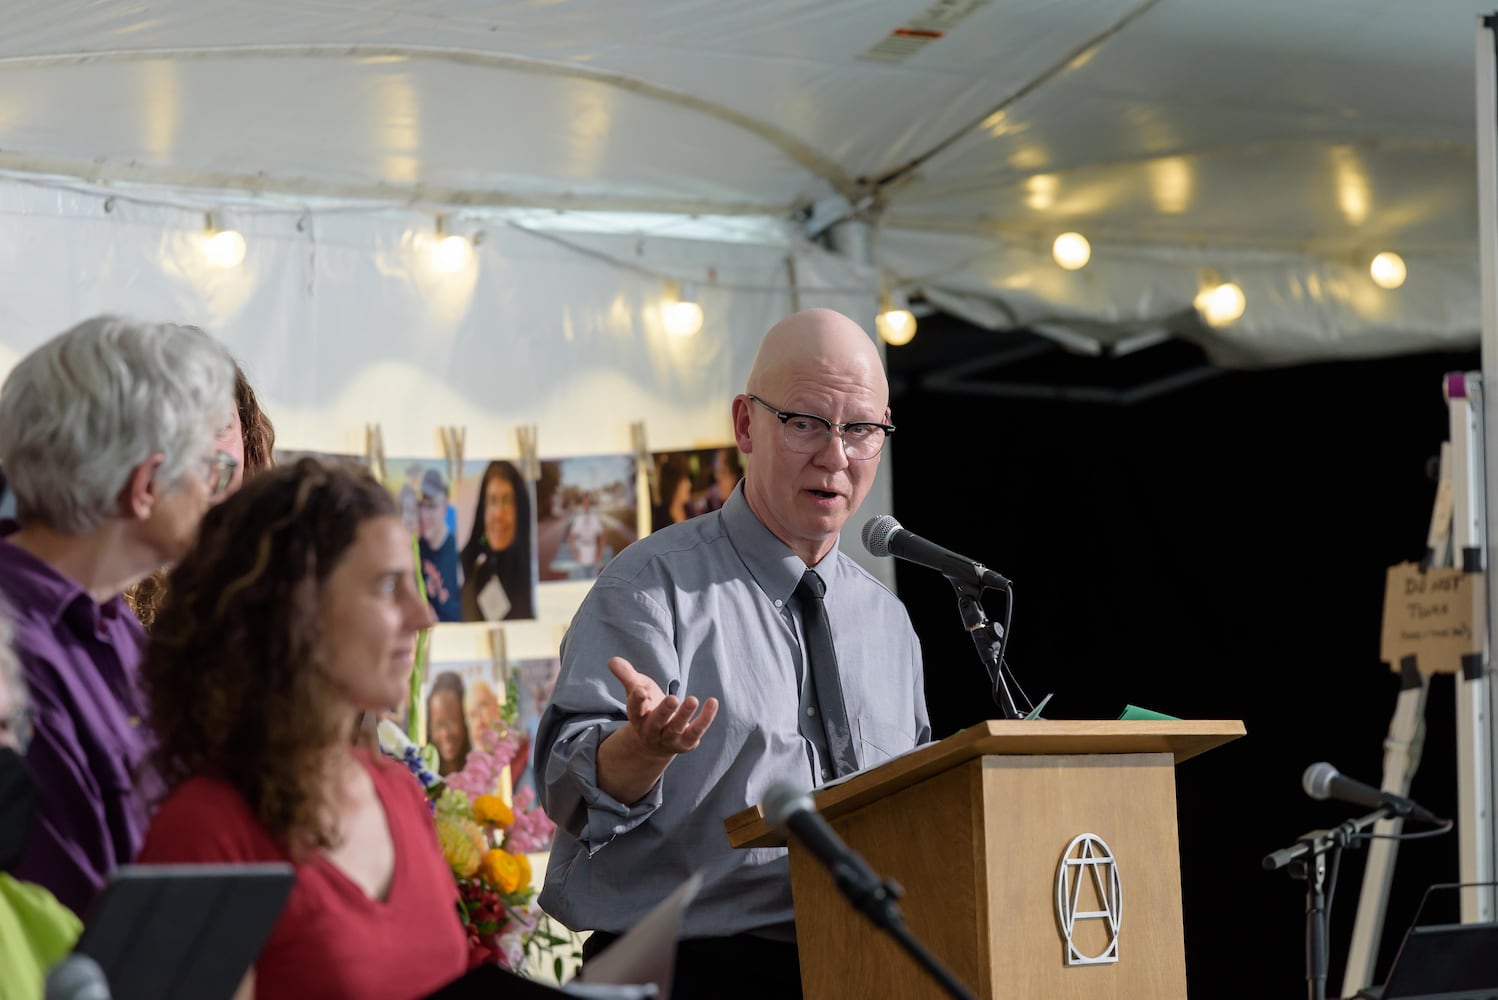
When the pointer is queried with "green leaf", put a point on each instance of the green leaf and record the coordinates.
(510, 711)
(419, 669)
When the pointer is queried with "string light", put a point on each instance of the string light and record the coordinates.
(223, 248)
(895, 322)
(1387, 270)
(1071, 251)
(682, 314)
(451, 253)
(1220, 304)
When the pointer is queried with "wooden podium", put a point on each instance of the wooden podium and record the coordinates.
(985, 832)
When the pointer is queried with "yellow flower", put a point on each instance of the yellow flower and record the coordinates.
(525, 870)
(462, 844)
(454, 802)
(493, 809)
(502, 870)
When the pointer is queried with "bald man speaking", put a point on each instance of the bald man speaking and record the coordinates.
(724, 654)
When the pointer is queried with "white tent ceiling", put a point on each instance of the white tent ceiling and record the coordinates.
(1279, 144)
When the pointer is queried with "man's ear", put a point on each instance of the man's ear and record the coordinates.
(141, 491)
(741, 411)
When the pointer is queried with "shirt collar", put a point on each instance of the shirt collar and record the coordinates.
(41, 588)
(770, 561)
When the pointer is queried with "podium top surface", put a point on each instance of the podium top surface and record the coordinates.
(1004, 737)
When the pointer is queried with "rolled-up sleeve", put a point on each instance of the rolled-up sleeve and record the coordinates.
(587, 705)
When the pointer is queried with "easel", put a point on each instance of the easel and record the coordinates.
(1457, 536)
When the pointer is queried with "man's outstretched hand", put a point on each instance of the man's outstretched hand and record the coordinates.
(661, 725)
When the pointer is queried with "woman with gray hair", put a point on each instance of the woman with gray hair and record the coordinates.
(107, 435)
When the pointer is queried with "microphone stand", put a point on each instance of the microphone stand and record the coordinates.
(876, 898)
(989, 638)
(1306, 859)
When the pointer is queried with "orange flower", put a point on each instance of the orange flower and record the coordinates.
(501, 870)
(493, 809)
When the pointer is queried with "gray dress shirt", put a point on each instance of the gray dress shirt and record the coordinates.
(707, 603)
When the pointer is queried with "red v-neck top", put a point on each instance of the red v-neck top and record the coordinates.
(332, 940)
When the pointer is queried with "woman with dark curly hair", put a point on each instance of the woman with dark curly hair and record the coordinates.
(497, 580)
(296, 613)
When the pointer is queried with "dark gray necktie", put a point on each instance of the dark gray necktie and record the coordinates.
(821, 661)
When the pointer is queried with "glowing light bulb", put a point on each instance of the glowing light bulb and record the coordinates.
(451, 254)
(1071, 251)
(1387, 270)
(681, 319)
(896, 326)
(1221, 304)
(224, 249)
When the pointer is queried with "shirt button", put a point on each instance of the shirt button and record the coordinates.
(826, 774)
(778, 603)
(619, 828)
(810, 710)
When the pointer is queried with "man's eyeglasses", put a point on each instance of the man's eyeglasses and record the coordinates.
(220, 472)
(15, 729)
(807, 433)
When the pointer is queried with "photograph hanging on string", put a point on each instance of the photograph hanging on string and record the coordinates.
(692, 482)
(532, 681)
(463, 689)
(475, 536)
(587, 513)
(287, 456)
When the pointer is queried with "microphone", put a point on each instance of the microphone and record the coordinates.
(883, 536)
(76, 977)
(1322, 781)
(790, 810)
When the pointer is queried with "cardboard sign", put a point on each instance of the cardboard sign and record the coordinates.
(1437, 616)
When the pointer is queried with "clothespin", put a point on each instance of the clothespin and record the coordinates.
(453, 441)
(498, 657)
(530, 463)
(374, 450)
(643, 460)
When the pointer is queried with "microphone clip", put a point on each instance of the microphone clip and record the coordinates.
(990, 640)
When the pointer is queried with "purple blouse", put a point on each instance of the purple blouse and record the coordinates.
(81, 660)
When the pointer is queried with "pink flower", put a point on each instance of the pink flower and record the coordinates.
(486, 762)
(511, 946)
(532, 829)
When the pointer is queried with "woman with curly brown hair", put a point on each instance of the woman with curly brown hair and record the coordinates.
(297, 612)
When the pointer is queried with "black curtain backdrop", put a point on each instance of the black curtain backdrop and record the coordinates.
(1215, 553)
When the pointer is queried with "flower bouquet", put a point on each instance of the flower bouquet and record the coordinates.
(485, 841)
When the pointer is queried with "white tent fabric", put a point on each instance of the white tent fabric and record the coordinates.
(1278, 144)
(341, 321)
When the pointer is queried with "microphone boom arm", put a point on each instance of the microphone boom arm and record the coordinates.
(1306, 859)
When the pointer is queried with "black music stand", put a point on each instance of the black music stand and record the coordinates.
(183, 931)
(1443, 962)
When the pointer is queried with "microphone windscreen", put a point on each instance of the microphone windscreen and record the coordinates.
(782, 801)
(77, 977)
(876, 533)
(1317, 781)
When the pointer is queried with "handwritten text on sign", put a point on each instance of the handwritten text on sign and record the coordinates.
(1437, 616)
